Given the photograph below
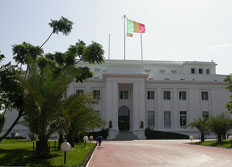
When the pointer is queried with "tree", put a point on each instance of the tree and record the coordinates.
(229, 87)
(2, 121)
(42, 69)
(201, 124)
(10, 91)
(220, 124)
(43, 93)
(79, 116)
(63, 25)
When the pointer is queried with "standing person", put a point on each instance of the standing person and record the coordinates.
(99, 139)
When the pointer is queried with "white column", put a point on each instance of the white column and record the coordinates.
(115, 106)
(142, 111)
(175, 111)
(108, 111)
(160, 109)
(112, 108)
(138, 109)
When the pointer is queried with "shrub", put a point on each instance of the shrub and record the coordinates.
(104, 133)
(151, 134)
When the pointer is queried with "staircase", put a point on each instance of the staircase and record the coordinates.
(125, 135)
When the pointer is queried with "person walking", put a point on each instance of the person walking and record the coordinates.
(99, 139)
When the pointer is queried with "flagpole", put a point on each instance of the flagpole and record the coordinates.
(109, 49)
(141, 46)
(124, 17)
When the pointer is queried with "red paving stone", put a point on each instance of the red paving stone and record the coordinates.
(156, 153)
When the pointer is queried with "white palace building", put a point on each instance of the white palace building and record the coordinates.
(161, 95)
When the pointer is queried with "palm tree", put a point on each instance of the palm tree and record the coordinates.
(79, 116)
(220, 125)
(63, 25)
(42, 99)
(201, 124)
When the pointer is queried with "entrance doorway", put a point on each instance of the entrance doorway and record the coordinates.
(123, 118)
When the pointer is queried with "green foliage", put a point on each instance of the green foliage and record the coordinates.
(42, 98)
(220, 124)
(229, 87)
(1, 57)
(151, 134)
(22, 51)
(10, 88)
(62, 25)
(79, 116)
(202, 125)
(2, 121)
(213, 143)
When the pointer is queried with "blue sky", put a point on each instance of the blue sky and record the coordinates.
(176, 30)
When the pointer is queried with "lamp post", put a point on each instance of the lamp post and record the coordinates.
(65, 147)
(191, 138)
(91, 138)
(85, 139)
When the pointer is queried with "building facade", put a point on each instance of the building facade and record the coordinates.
(162, 95)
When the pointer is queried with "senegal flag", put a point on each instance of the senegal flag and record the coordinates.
(135, 27)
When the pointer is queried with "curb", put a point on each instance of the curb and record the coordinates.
(89, 157)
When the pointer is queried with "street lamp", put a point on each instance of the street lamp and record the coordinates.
(85, 138)
(91, 138)
(65, 147)
(191, 138)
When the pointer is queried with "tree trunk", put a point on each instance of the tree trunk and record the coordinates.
(219, 138)
(12, 126)
(70, 140)
(46, 39)
(202, 137)
(61, 139)
(42, 149)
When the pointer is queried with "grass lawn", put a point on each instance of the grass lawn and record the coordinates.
(213, 143)
(19, 153)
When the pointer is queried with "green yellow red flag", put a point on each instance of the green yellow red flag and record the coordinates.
(134, 27)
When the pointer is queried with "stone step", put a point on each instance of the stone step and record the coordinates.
(125, 135)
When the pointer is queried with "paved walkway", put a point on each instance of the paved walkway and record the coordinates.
(159, 153)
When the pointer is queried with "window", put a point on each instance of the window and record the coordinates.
(167, 95)
(183, 118)
(200, 71)
(162, 71)
(79, 92)
(207, 71)
(182, 95)
(151, 118)
(192, 70)
(150, 95)
(97, 69)
(173, 72)
(96, 94)
(204, 95)
(123, 94)
(205, 114)
(167, 119)
(147, 70)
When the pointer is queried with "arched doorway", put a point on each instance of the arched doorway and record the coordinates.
(123, 118)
